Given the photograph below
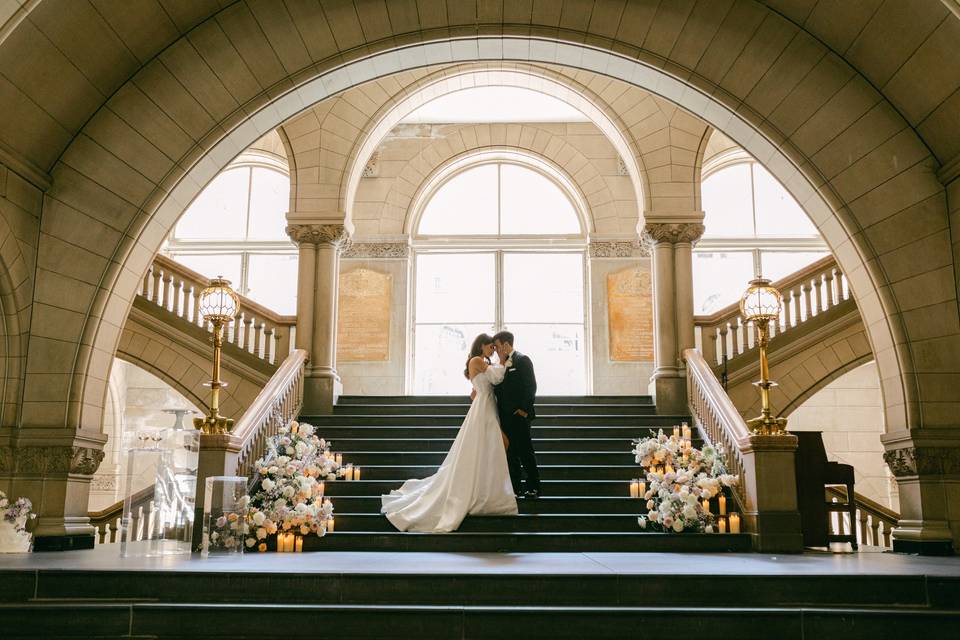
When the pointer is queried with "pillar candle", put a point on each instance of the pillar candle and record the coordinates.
(676, 432)
(722, 525)
(339, 458)
(668, 469)
(723, 505)
(348, 473)
(330, 525)
(642, 488)
(734, 523)
(634, 489)
(706, 505)
(356, 473)
(299, 544)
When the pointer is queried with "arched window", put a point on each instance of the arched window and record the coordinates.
(753, 226)
(499, 245)
(236, 228)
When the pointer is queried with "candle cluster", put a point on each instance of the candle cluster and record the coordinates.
(679, 482)
(289, 543)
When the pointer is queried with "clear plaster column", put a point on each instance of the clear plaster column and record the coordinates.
(671, 244)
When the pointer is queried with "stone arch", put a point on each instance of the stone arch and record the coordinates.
(761, 86)
(16, 291)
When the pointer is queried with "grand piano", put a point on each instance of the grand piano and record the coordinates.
(814, 473)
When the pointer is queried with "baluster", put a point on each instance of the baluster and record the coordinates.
(862, 522)
(828, 281)
(818, 292)
(114, 530)
(886, 536)
(786, 311)
(197, 318)
(795, 297)
(807, 306)
(177, 287)
(167, 279)
(874, 531)
(268, 344)
(282, 345)
(842, 288)
(258, 350)
(735, 337)
(155, 296)
(248, 333)
(145, 288)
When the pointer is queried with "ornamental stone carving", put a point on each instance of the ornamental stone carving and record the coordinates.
(85, 460)
(912, 461)
(50, 460)
(674, 232)
(335, 234)
(618, 249)
(379, 250)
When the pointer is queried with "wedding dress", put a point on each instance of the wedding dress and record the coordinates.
(473, 478)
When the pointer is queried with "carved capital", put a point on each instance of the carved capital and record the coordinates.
(618, 249)
(85, 461)
(50, 460)
(334, 234)
(376, 250)
(913, 461)
(673, 232)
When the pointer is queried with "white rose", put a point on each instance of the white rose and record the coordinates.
(649, 504)
(258, 518)
(268, 484)
(653, 516)
(678, 525)
(250, 542)
(261, 533)
(289, 492)
(290, 450)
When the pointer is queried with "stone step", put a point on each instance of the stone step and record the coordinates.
(585, 488)
(524, 522)
(338, 432)
(569, 505)
(420, 420)
(548, 458)
(461, 410)
(400, 473)
(582, 400)
(443, 444)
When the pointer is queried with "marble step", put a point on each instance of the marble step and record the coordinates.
(443, 444)
(568, 505)
(585, 488)
(461, 410)
(548, 458)
(547, 472)
(522, 523)
(337, 432)
(570, 420)
(353, 399)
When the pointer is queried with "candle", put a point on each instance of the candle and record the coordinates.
(356, 473)
(734, 523)
(339, 458)
(634, 489)
(706, 505)
(642, 489)
(685, 457)
(299, 544)
(348, 472)
(330, 525)
(668, 468)
(723, 505)
(722, 524)
(323, 488)
(676, 432)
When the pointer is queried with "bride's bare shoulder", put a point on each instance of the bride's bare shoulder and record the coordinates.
(478, 363)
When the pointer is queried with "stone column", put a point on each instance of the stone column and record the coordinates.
(926, 464)
(317, 310)
(671, 244)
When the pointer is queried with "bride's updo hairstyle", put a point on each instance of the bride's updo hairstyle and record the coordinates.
(476, 349)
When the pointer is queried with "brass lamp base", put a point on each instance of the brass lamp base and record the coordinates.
(213, 424)
(767, 426)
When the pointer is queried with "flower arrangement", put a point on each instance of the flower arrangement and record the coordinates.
(229, 529)
(13, 526)
(289, 497)
(679, 477)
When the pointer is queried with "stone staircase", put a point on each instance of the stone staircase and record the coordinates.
(583, 448)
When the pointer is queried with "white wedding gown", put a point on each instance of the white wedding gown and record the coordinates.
(473, 478)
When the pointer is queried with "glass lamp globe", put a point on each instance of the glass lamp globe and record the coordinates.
(761, 302)
(218, 301)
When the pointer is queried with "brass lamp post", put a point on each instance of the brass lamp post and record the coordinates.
(760, 304)
(218, 306)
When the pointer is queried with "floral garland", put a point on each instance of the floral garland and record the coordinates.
(678, 478)
(16, 513)
(289, 496)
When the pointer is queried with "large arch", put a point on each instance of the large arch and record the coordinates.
(856, 136)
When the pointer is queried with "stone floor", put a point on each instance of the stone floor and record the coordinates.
(809, 564)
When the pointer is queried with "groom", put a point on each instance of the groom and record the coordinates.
(516, 396)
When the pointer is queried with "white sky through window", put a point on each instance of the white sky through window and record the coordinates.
(495, 104)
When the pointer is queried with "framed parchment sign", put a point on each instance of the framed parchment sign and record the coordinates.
(630, 315)
(363, 317)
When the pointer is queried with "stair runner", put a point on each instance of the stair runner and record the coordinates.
(583, 448)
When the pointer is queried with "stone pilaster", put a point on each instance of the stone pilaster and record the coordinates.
(671, 247)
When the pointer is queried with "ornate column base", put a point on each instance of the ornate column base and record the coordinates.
(321, 390)
(926, 464)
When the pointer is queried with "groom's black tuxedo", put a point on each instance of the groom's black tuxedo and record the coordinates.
(519, 391)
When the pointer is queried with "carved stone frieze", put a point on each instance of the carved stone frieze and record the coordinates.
(50, 460)
(85, 460)
(376, 250)
(6, 459)
(912, 461)
(104, 483)
(372, 168)
(335, 234)
(673, 232)
(618, 249)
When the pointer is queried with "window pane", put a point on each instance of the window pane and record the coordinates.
(727, 202)
(719, 279)
(272, 281)
(213, 265)
(543, 287)
(220, 211)
(558, 355)
(456, 288)
(778, 214)
(441, 356)
(269, 200)
(465, 204)
(780, 264)
(533, 204)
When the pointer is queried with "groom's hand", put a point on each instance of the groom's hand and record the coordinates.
(521, 413)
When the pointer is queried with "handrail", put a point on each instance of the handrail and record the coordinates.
(807, 293)
(716, 417)
(107, 520)
(875, 522)
(257, 330)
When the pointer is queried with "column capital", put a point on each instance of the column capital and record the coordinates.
(333, 234)
(672, 232)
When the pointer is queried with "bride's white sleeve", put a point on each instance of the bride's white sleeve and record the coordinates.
(495, 374)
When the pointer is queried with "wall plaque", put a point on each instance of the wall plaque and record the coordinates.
(363, 318)
(630, 315)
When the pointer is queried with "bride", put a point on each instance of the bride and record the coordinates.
(473, 478)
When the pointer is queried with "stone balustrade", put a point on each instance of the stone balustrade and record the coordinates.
(874, 522)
